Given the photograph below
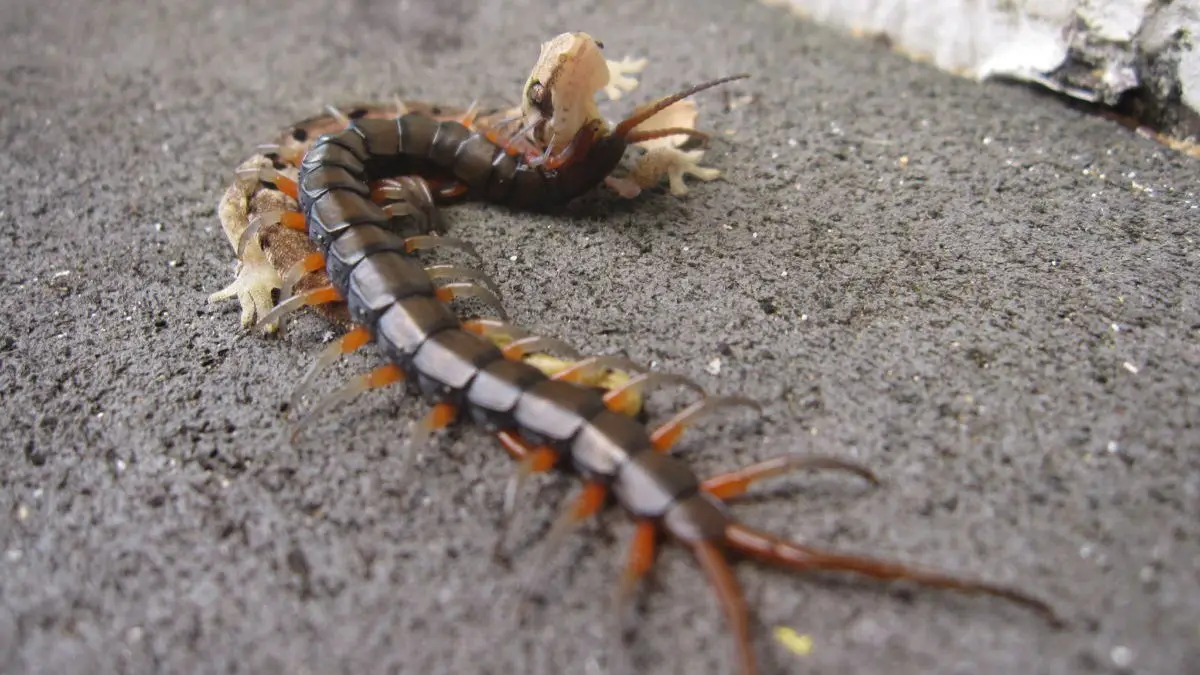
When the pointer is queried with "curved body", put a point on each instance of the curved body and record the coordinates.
(417, 144)
(390, 294)
(367, 251)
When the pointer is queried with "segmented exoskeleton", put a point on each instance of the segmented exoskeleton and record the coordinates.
(367, 232)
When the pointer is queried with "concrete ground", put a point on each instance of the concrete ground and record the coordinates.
(985, 295)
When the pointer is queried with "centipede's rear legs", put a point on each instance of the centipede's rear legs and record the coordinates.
(803, 558)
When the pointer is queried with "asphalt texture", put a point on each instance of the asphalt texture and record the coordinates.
(986, 295)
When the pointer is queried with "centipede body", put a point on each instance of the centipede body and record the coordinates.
(543, 421)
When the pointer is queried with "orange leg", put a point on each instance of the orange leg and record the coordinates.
(665, 437)
(287, 186)
(641, 559)
(801, 558)
(380, 377)
(712, 560)
(735, 483)
(468, 118)
(354, 339)
(591, 365)
(589, 501)
(307, 265)
(540, 459)
(293, 220)
(523, 346)
(268, 175)
(467, 289)
(317, 296)
(530, 460)
(439, 417)
(628, 395)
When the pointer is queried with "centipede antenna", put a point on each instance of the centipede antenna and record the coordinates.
(644, 113)
(399, 106)
(452, 271)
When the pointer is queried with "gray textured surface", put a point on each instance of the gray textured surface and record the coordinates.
(1004, 324)
(1138, 55)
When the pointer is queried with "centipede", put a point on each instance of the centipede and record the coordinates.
(365, 200)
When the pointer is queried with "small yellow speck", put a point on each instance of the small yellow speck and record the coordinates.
(798, 644)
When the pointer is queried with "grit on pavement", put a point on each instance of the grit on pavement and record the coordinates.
(984, 294)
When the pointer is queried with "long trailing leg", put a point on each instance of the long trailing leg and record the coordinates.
(803, 558)
(733, 603)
